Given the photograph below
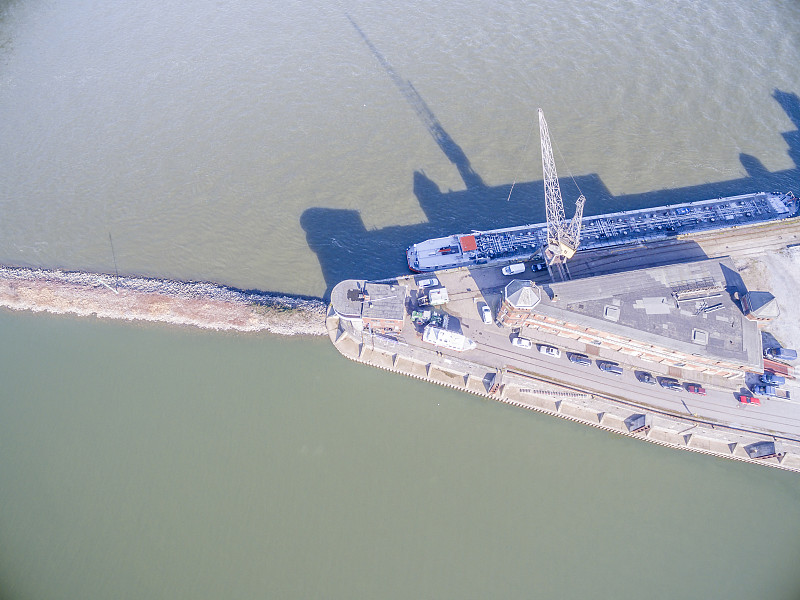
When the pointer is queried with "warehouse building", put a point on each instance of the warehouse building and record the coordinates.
(683, 317)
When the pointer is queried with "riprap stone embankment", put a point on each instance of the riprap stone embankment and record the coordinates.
(199, 304)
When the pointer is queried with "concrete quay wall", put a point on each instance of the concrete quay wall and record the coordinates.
(528, 391)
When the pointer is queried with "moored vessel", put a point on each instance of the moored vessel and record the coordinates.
(525, 242)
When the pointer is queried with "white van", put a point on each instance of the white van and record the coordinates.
(513, 269)
(486, 314)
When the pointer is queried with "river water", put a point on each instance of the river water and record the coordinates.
(282, 147)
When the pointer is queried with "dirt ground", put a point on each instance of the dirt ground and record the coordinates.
(777, 272)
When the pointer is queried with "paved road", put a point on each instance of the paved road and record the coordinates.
(495, 350)
(719, 404)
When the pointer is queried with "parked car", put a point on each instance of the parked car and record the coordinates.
(646, 377)
(745, 399)
(486, 314)
(550, 350)
(609, 367)
(579, 359)
(513, 269)
(772, 379)
(538, 266)
(695, 389)
(521, 342)
(430, 282)
(670, 383)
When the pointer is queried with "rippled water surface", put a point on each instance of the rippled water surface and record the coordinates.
(284, 146)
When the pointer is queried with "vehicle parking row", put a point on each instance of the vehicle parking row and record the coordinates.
(608, 366)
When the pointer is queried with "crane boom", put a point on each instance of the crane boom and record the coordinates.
(572, 235)
(563, 238)
(552, 192)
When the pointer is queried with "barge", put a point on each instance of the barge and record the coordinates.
(525, 242)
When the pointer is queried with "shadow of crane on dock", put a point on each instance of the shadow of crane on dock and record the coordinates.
(346, 249)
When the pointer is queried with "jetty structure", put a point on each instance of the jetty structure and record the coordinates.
(637, 322)
(201, 304)
(622, 351)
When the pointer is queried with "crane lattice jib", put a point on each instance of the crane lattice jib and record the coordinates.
(552, 191)
(572, 233)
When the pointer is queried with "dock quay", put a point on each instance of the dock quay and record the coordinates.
(672, 309)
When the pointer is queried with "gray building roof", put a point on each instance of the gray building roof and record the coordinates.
(686, 308)
(346, 298)
(521, 293)
(385, 300)
(763, 305)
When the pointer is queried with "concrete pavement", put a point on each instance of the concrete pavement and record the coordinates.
(494, 349)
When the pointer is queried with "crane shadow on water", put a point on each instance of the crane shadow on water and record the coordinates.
(346, 249)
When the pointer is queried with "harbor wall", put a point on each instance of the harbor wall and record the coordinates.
(532, 392)
(199, 304)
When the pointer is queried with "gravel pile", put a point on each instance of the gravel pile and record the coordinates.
(200, 304)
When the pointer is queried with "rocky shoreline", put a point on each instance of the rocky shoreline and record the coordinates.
(200, 304)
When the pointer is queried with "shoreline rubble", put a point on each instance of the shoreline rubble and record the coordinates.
(199, 304)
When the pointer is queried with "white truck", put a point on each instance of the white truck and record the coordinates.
(447, 339)
(435, 297)
(513, 269)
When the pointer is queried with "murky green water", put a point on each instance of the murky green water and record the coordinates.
(169, 463)
(266, 147)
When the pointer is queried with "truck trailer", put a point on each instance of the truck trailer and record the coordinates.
(770, 390)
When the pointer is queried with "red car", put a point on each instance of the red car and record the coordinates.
(745, 399)
(695, 389)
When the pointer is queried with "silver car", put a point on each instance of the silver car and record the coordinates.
(550, 350)
(521, 342)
